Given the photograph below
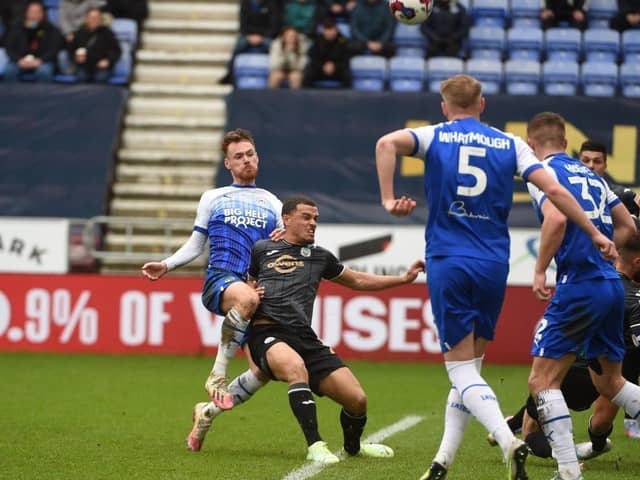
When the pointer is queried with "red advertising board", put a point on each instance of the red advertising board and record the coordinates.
(92, 313)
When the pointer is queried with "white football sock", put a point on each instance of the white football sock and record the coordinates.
(232, 332)
(244, 386)
(628, 398)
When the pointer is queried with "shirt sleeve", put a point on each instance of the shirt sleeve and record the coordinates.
(526, 160)
(188, 252)
(203, 214)
(333, 268)
(423, 136)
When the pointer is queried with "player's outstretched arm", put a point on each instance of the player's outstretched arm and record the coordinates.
(185, 254)
(400, 142)
(370, 281)
(154, 270)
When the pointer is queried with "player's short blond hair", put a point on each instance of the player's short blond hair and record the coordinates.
(461, 91)
(236, 136)
(547, 128)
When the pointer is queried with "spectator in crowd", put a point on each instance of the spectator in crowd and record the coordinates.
(10, 11)
(372, 28)
(328, 57)
(137, 10)
(339, 9)
(288, 58)
(33, 45)
(628, 15)
(303, 16)
(94, 49)
(446, 29)
(571, 11)
(259, 25)
(72, 13)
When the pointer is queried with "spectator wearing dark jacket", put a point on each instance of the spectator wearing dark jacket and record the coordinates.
(260, 23)
(328, 57)
(11, 11)
(628, 15)
(372, 28)
(571, 11)
(446, 29)
(33, 45)
(72, 13)
(94, 49)
(339, 9)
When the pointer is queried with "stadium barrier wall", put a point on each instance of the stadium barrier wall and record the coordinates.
(118, 315)
(322, 143)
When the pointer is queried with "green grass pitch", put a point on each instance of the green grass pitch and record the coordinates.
(126, 417)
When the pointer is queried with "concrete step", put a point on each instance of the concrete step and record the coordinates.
(175, 74)
(200, 176)
(230, 25)
(204, 92)
(194, 10)
(145, 156)
(121, 189)
(193, 58)
(180, 42)
(150, 120)
(171, 139)
(115, 241)
(154, 208)
(117, 267)
(178, 107)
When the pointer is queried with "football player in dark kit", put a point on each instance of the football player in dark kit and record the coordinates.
(282, 342)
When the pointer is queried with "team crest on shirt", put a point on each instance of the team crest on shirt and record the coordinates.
(305, 251)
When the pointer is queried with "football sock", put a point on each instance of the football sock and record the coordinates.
(304, 408)
(352, 428)
(515, 422)
(598, 441)
(244, 386)
(480, 400)
(456, 419)
(628, 398)
(538, 444)
(233, 330)
(555, 420)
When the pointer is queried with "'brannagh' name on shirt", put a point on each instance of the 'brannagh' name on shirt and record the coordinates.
(474, 138)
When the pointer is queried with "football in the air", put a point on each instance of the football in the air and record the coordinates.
(411, 12)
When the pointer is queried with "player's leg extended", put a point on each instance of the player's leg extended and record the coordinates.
(545, 380)
(240, 301)
(600, 427)
(343, 387)
(611, 384)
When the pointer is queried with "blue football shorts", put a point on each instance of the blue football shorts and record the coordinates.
(466, 296)
(215, 283)
(584, 318)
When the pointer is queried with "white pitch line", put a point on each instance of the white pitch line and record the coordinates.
(311, 469)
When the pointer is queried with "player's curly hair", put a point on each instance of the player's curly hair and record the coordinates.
(291, 203)
(235, 136)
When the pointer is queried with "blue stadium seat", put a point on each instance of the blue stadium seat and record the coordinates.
(560, 77)
(490, 12)
(525, 43)
(126, 30)
(486, 42)
(406, 74)
(522, 77)
(53, 15)
(409, 41)
(344, 29)
(65, 68)
(525, 13)
(4, 59)
(441, 68)
(489, 72)
(600, 11)
(599, 79)
(51, 3)
(122, 70)
(563, 44)
(630, 79)
(368, 72)
(631, 46)
(251, 70)
(601, 44)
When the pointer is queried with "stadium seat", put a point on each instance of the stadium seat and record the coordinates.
(631, 46)
(344, 29)
(441, 68)
(630, 79)
(53, 14)
(126, 30)
(489, 72)
(122, 70)
(406, 74)
(486, 42)
(51, 3)
(525, 43)
(409, 41)
(525, 13)
(522, 77)
(563, 44)
(600, 11)
(601, 44)
(490, 12)
(599, 79)
(368, 72)
(65, 68)
(560, 77)
(251, 70)
(4, 59)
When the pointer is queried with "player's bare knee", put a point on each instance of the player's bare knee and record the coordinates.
(357, 404)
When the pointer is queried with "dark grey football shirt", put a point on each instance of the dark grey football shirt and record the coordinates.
(290, 275)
